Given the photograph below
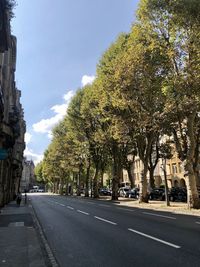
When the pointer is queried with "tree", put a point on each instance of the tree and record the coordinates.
(134, 89)
(114, 109)
(165, 151)
(39, 172)
(94, 132)
(176, 25)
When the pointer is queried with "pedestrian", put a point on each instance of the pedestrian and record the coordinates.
(25, 198)
(19, 198)
(14, 196)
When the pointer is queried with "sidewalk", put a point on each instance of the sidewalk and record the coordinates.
(20, 245)
(175, 207)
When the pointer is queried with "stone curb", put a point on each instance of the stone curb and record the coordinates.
(48, 251)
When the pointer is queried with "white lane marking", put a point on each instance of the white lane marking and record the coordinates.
(104, 205)
(154, 238)
(90, 202)
(62, 205)
(198, 222)
(69, 207)
(124, 209)
(83, 212)
(16, 224)
(158, 215)
(104, 220)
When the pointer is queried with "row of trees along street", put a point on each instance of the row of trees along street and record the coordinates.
(147, 87)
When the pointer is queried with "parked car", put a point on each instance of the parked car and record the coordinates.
(134, 193)
(40, 190)
(157, 194)
(178, 194)
(104, 192)
(124, 191)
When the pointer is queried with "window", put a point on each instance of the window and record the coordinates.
(174, 168)
(180, 167)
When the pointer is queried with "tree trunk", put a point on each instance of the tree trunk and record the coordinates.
(119, 171)
(151, 177)
(143, 197)
(115, 182)
(61, 186)
(166, 185)
(144, 156)
(130, 175)
(193, 199)
(67, 188)
(53, 186)
(102, 172)
(57, 186)
(95, 182)
(115, 178)
(87, 181)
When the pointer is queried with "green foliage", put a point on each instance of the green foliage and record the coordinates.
(147, 85)
(166, 150)
(39, 172)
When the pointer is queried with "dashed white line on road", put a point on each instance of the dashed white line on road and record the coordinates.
(158, 215)
(104, 205)
(124, 209)
(69, 207)
(104, 220)
(83, 212)
(198, 222)
(154, 238)
(62, 205)
(16, 224)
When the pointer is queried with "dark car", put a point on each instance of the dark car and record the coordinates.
(157, 194)
(134, 193)
(178, 194)
(104, 192)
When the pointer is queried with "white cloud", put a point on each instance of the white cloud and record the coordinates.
(46, 125)
(28, 137)
(60, 109)
(87, 79)
(28, 153)
(67, 97)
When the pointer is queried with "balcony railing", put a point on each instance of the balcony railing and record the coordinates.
(14, 115)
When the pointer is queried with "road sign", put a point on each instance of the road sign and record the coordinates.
(3, 153)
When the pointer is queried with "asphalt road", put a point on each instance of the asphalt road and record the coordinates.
(86, 232)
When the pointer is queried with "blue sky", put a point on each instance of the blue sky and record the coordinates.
(59, 44)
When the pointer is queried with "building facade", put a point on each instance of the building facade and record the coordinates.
(174, 171)
(28, 176)
(12, 124)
